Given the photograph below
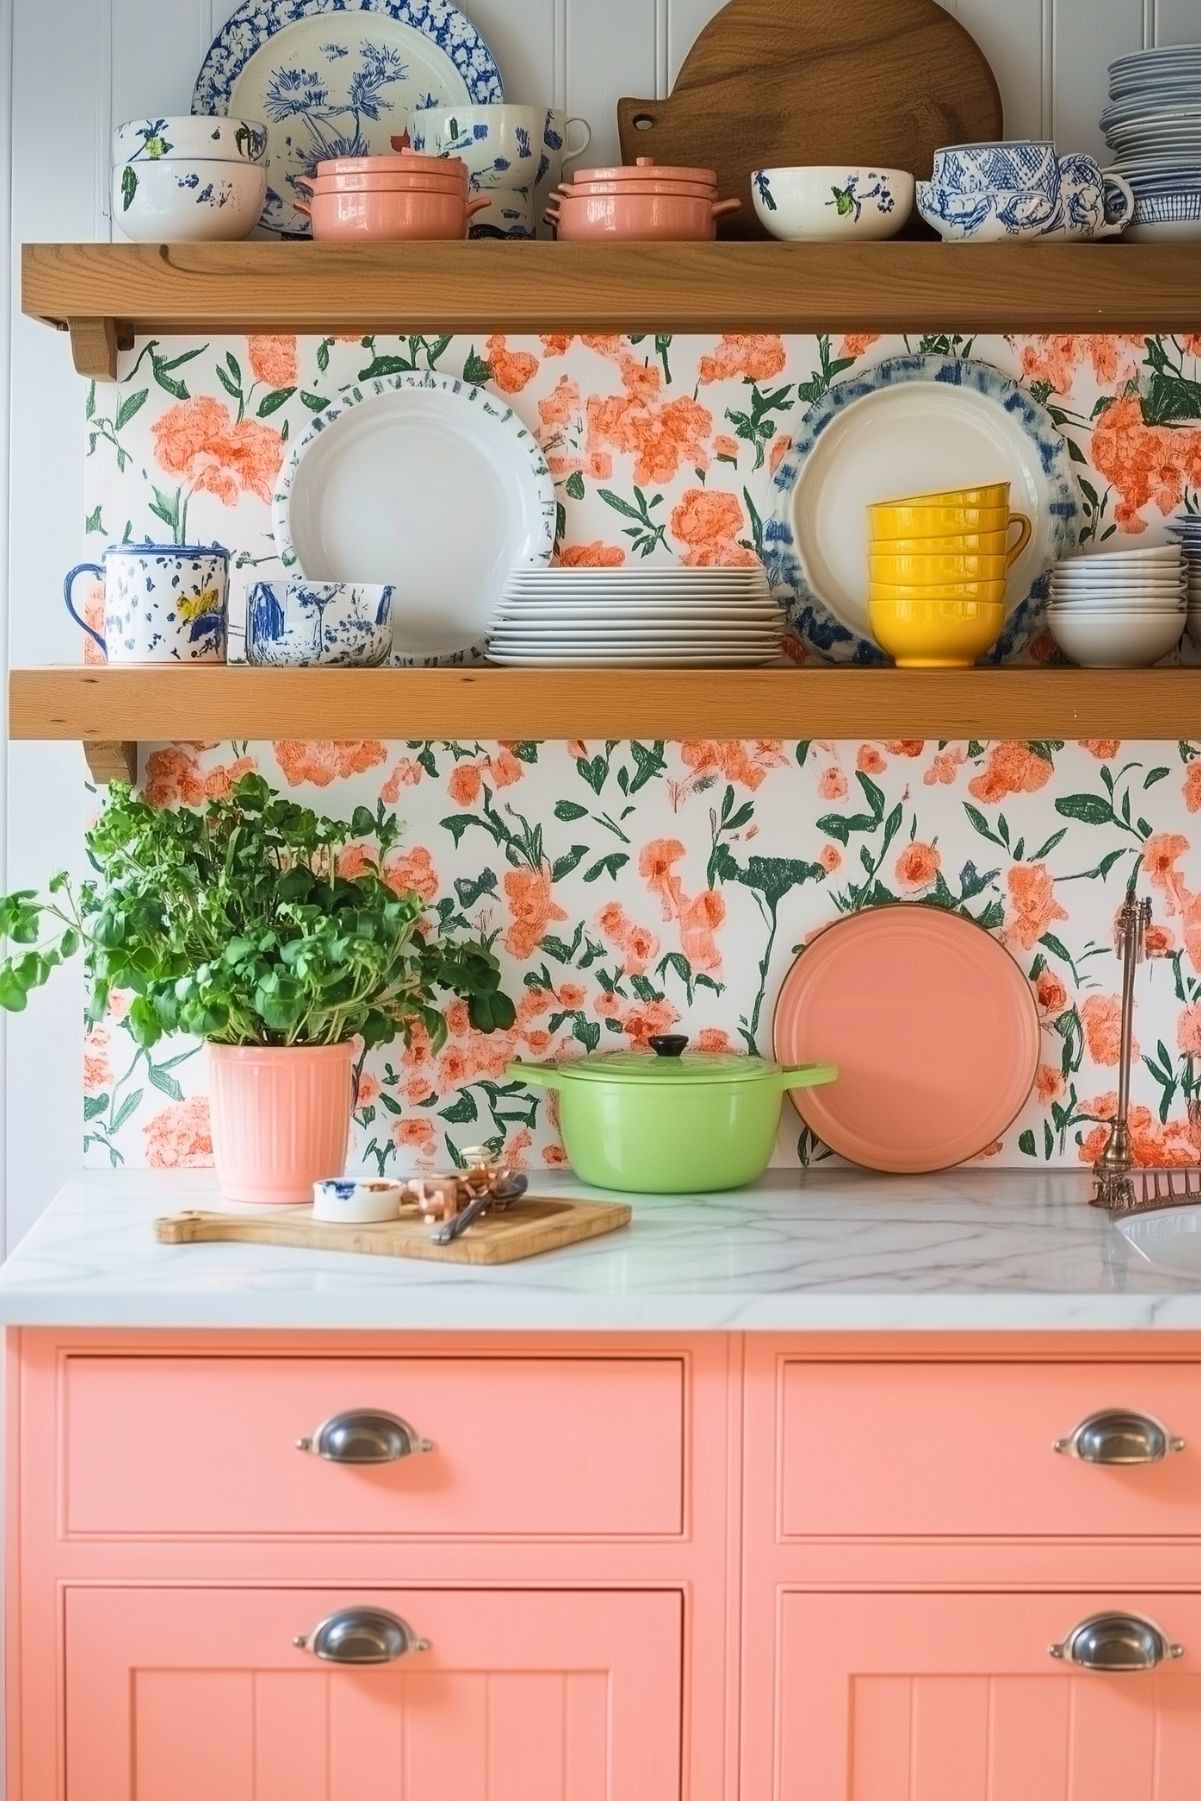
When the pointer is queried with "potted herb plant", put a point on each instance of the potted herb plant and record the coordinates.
(237, 924)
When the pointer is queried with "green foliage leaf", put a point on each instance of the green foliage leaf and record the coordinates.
(133, 403)
(569, 810)
(1026, 1144)
(271, 403)
(461, 1111)
(1091, 809)
(575, 485)
(609, 865)
(129, 186)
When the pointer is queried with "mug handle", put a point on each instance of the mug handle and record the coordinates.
(68, 585)
(1119, 203)
(1023, 538)
(569, 155)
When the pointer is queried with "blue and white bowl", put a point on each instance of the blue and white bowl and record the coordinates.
(304, 625)
(356, 1200)
(192, 137)
(179, 200)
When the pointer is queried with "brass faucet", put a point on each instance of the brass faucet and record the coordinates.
(1112, 1187)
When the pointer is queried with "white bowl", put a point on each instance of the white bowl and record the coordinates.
(298, 624)
(176, 200)
(203, 137)
(827, 200)
(1112, 640)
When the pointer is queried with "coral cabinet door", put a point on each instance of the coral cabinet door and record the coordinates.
(200, 1695)
(937, 1697)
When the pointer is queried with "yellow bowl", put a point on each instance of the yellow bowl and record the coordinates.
(935, 634)
(992, 494)
(936, 569)
(991, 593)
(913, 520)
(968, 544)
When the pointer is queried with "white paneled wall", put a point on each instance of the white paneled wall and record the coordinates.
(78, 65)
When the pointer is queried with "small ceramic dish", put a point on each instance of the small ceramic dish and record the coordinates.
(828, 200)
(175, 200)
(388, 216)
(356, 1201)
(1108, 639)
(302, 625)
(637, 218)
(199, 137)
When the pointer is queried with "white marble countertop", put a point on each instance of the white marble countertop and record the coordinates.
(833, 1250)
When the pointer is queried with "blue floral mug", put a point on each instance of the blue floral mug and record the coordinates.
(163, 603)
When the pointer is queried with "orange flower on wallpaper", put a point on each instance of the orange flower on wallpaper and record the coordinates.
(712, 1038)
(656, 865)
(562, 405)
(777, 452)
(595, 555)
(1158, 941)
(1104, 749)
(303, 760)
(1101, 1017)
(833, 785)
(699, 921)
(647, 1021)
(199, 442)
(661, 439)
(97, 1070)
(746, 765)
(1011, 768)
(749, 356)
(1149, 465)
(869, 760)
(1050, 994)
(465, 784)
(830, 858)
(1033, 908)
(1048, 1083)
(1056, 359)
(415, 1135)
(179, 1137)
(639, 948)
(1188, 1031)
(173, 778)
(367, 1091)
(944, 767)
(1191, 786)
(857, 343)
(917, 866)
(708, 523)
(512, 370)
(527, 892)
(412, 872)
(273, 361)
(1152, 1145)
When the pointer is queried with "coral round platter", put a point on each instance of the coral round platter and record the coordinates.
(934, 1030)
(912, 425)
(426, 484)
(336, 80)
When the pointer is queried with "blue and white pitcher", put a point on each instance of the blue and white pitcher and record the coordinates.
(163, 603)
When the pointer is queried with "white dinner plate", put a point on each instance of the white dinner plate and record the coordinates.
(337, 80)
(634, 660)
(913, 425)
(434, 485)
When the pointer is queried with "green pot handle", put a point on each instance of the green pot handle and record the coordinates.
(539, 1075)
(807, 1075)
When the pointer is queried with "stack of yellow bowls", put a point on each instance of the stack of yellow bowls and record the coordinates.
(937, 565)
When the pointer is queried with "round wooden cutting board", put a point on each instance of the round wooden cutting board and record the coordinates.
(768, 83)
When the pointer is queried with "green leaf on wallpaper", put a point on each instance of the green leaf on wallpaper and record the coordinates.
(1057, 948)
(560, 521)
(1090, 809)
(563, 866)
(802, 752)
(476, 369)
(1170, 399)
(1072, 1032)
(615, 861)
(525, 750)
(1109, 859)
(316, 403)
(872, 794)
(586, 1032)
(1026, 1144)
(129, 186)
(232, 387)
(575, 485)
(1046, 748)
(457, 823)
(127, 1109)
(650, 761)
(462, 1111)
(841, 825)
(93, 522)
(1155, 775)
(1045, 849)
(93, 1106)
(165, 1082)
(593, 771)
(89, 405)
(468, 892)
(271, 403)
(132, 404)
(567, 810)
(323, 355)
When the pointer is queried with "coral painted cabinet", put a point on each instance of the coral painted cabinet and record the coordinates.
(937, 1697)
(193, 1694)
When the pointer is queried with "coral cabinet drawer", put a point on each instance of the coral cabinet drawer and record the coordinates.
(203, 1695)
(518, 1446)
(1003, 1450)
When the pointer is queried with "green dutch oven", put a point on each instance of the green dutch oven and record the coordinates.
(670, 1121)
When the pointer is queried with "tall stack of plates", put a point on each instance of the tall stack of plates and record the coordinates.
(1153, 126)
(642, 617)
(1187, 528)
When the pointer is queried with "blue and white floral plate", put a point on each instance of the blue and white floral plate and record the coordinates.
(332, 79)
(428, 485)
(911, 425)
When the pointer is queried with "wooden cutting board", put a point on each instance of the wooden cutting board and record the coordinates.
(770, 83)
(532, 1227)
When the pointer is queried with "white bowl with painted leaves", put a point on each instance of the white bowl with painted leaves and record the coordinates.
(829, 200)
(179, 200)
(203, 137)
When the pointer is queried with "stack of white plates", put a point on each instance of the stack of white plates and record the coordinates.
(642, 616)
(1120, 609)
(1153, 126)
(1188, 530)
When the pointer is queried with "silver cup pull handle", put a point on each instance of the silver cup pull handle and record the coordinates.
(1118, 1436)
(364, 1435)
(361, 1635)
(1116, 1644)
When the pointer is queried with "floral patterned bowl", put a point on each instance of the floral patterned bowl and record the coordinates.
(177, 200)
(299, 624)
(828, 201)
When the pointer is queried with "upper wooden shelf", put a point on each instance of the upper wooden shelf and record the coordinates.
(104, 294)
(111, 710)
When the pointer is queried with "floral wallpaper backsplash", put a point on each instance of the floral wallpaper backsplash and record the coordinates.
(631, 888)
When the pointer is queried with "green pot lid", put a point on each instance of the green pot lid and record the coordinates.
(668, 1061)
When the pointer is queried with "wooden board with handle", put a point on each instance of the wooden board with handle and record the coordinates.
(773, 83)
(536, 1225)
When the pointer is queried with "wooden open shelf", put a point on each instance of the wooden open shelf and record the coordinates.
(112, 710)
(104, 294)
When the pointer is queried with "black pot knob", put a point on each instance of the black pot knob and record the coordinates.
(669, 1044)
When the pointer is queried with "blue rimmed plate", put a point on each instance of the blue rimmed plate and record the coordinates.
(337, 80)
(911, 425)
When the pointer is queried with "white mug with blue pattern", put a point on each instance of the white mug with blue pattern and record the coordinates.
(163, 603)
(514, 154)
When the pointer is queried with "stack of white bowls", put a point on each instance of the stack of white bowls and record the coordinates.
(643, 616)
(1187, 529)
(1153, 126)
(1121, 609)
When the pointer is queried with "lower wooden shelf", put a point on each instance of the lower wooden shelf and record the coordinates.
(111, 711)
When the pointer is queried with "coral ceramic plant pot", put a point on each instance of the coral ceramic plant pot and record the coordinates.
(667, 1123)
(280, 1118)
(386, 216)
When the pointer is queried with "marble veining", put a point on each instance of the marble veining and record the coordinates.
(825, 1251)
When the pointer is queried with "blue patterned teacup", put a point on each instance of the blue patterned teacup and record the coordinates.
(163, 603)
(514, 153)
(1014, 165)
(1021, 189)
(299, 624)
